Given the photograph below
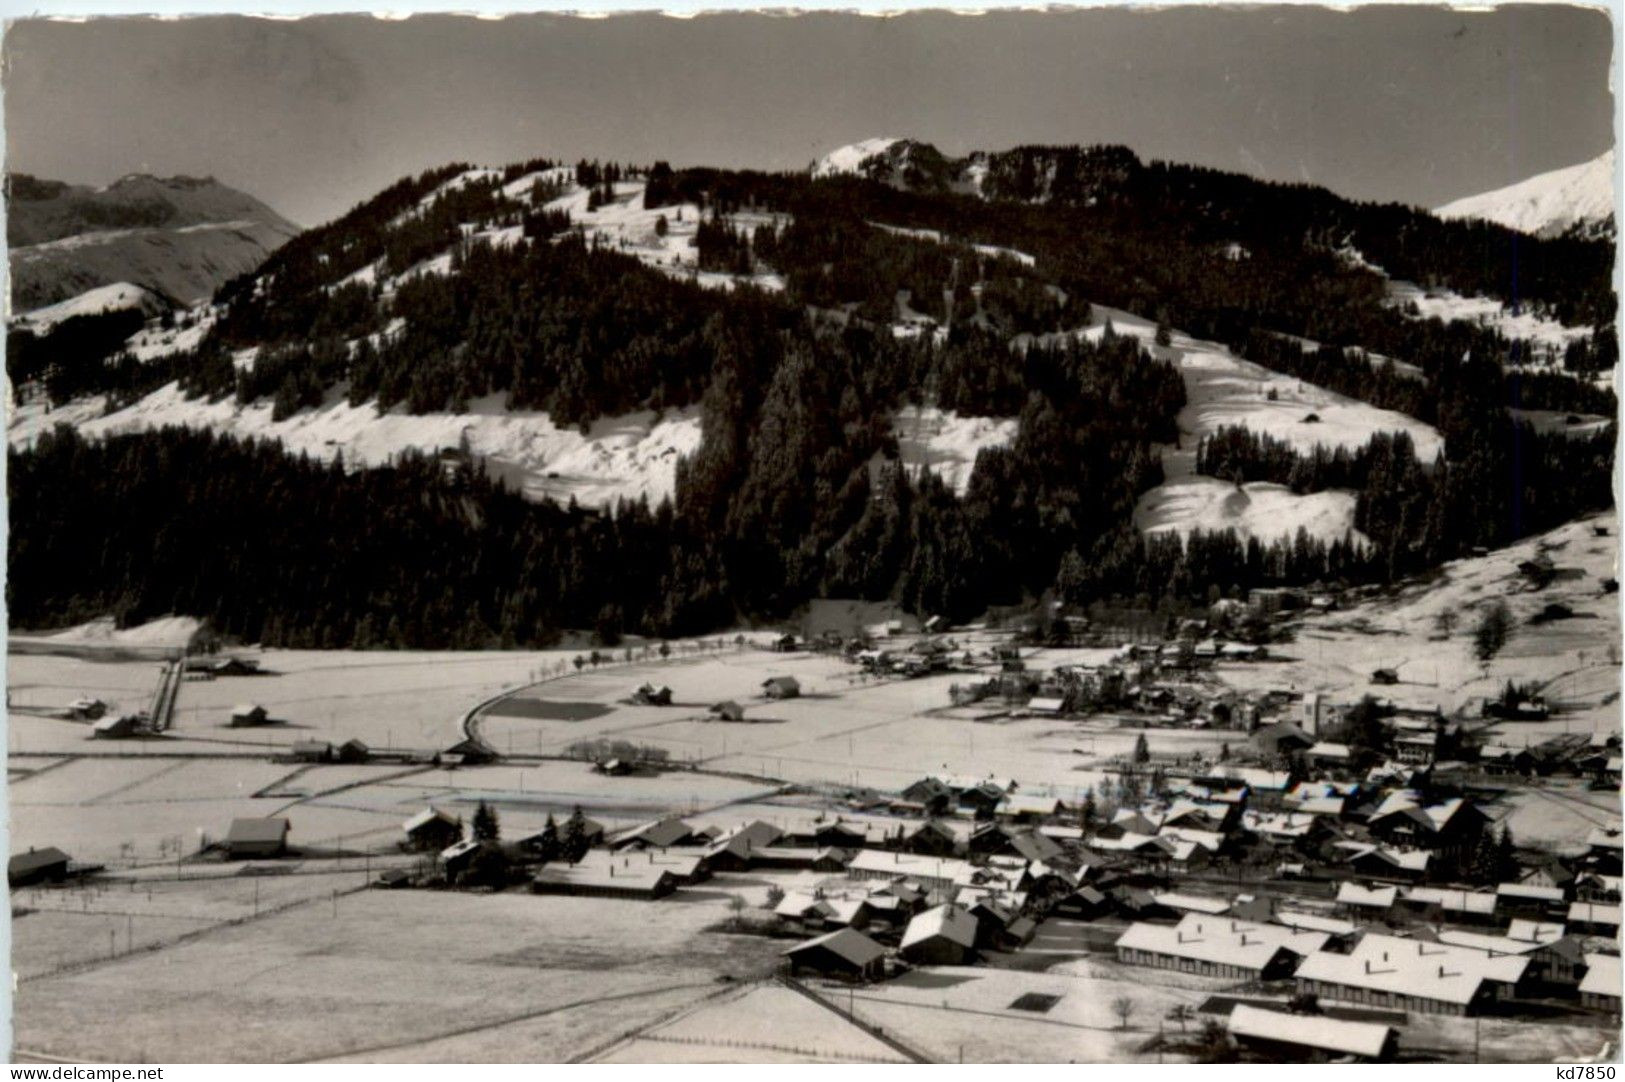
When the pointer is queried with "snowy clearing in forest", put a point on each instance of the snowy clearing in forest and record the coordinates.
(630, 457)
(947, 443)
(1223, 389)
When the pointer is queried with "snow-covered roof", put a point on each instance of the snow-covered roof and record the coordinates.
(1530, 891)
(1314, 922)
(1413, 967)
(1593, 913)
(855, 947)
(426, 816)
(1220, 939)
(880, 862)
(1602, 975)
(1256, 777)
(800, 904)
(1479, 902)
(457, 849)
(845, 910)
(1290, 825)
(946, 921)
(1409, 860)
(633, 875)
(1030, 804)
(1366, 897)
(659, 832)
(1192, 903)
(1312, 1031)
(1535, 931)
(1202, 839)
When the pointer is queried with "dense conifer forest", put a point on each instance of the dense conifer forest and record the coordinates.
(796, 491)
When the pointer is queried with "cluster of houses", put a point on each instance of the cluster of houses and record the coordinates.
(1367, 904)
(1400, 932)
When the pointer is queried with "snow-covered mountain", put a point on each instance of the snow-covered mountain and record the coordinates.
(1548, 204)
(178, 237)
(850, 158)
(93, 302)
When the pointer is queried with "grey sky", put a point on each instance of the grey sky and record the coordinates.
(1419, 105)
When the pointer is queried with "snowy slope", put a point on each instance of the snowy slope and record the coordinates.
(181, 237)
(630, 456)
(850, 158)
(1548, 335)
(947, 442)
(627, 226)
(109, 298)
(1547, 204)
(1223, 389)
(1452, 307)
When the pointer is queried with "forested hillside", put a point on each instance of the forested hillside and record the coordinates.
(798, 315)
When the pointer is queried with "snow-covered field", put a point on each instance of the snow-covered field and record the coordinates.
(154, 342)
(954, 1012)
(771, 1022)
(947, 443)
(1223, 389)
(248, 992)
(364, 963)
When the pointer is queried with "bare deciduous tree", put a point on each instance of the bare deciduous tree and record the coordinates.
(1123, 1008)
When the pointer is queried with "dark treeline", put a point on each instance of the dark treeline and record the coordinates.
(283, 298)
(1204, 251)
(1495, 485)
(407, 555)
(1566, 277)
(796, 493)
(1151, 571)
(796, 490)
(1163, 239)
(70, 357)
(564, 326)
(1354, 373)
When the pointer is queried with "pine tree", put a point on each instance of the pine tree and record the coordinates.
(486, 827)
(548, 847)
(575, 836)
(1142, 752)
(1506, 854)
